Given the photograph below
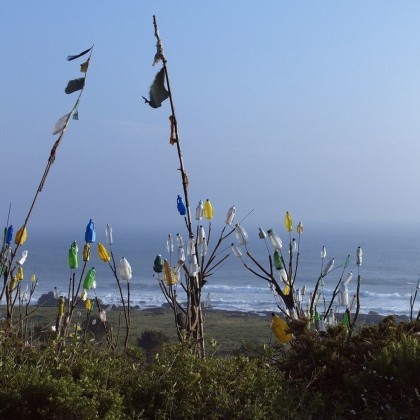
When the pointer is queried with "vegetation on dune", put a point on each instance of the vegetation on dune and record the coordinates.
(323, 375)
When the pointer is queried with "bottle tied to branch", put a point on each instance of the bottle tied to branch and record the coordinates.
(241, 235)
(199, 211)
(275, 239)
(21, 236)
(90, 234)
(208, 210)
(108, 233)
(158, 264)
(288, 223)
(73, 260)
(230, 216)
(125, 269)
(181, 206)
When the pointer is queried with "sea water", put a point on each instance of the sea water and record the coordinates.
(388, 274)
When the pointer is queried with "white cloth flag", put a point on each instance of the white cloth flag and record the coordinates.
(60, 124)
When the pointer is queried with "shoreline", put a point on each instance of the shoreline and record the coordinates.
(364, 318)
(371, 317)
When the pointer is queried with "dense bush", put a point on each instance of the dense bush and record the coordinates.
(152, 341)
(375, 373)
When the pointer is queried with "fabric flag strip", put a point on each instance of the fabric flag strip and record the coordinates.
(74, 85)
(73, 57)
(84, 66)
(172, 139)
(60, 124)
(157, 92)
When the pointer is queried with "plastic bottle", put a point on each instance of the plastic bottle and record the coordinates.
(9, 235)
(21, 236)
(201, 235)
(170, 244)
(347, 280)
(158, 264)
(89, 279)
(283, 275)
(181, 256)
(108, 233)
(86, 252)
(261, 233)
(169, 280)
(208, 210)
(299, 228)
(328, 267)
(199, 211)
(125, 269)
(275, 239)
(61, 306)
(288, 223)
(90, 234)
(241, 235)
(278, 264)
(203, 248)
(180, 240)
(344, 295)
(230, 216)
(22, 259)
(359, 256)
(73, 260)
(193, 266)
(103, 253)
(191, 246)
(236, 251)
(181, 206)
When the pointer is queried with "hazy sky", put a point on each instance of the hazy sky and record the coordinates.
(307, 106)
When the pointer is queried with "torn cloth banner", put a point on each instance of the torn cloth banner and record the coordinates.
(73, 57)
(74, 85)
(60, 124)
(157, 92)
(84, 66)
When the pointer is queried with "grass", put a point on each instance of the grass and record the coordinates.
(229, 329)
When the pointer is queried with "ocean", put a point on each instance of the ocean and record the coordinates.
(389, 272)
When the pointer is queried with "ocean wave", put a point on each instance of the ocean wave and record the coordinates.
(369, 293)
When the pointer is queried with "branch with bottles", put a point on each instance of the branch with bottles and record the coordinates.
(281, 273)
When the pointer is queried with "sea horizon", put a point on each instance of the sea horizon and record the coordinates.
(389, 271)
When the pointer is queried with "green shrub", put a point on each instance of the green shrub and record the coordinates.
(374, 373)
(152, 342)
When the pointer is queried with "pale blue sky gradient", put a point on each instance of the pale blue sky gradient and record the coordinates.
(306, 106)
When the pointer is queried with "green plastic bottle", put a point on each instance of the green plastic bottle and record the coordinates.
(89, 279)
(73, 260)
(158, 264)
(277, 260)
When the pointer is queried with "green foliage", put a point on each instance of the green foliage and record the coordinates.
(331, 375)
(374, 371)
(152, 341)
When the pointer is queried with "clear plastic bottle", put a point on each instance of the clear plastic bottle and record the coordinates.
(230, 216)
(199, 211)
(241, 235)
(23, 257)
(236, 251)
(275, 239)
(108, 233)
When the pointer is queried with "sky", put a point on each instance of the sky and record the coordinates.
(306, 106)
